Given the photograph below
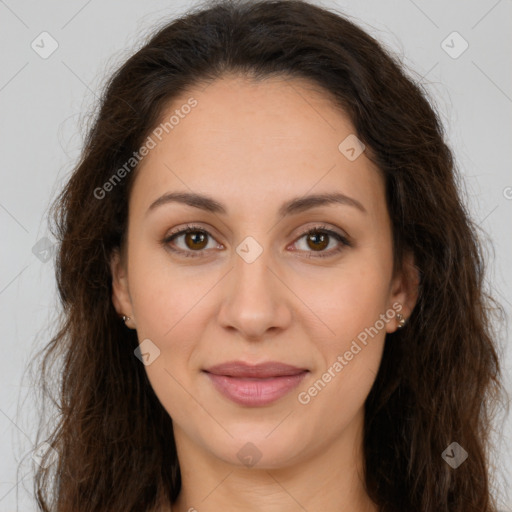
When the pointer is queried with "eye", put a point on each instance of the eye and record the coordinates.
(195, 241)
(318, 239)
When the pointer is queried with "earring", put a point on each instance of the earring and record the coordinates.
(125, 318)
(401, 320)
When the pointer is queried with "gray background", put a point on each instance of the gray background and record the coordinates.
(44, 103)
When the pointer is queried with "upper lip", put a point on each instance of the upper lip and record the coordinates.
(262, 370)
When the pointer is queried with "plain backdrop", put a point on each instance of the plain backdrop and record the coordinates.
(459, 49)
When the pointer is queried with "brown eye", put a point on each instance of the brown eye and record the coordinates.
(318, 241)
(191, 241)
(195, 240)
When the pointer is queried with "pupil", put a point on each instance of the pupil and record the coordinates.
(196, 238)
(323, 240)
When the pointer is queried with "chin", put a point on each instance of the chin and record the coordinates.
(268, 447)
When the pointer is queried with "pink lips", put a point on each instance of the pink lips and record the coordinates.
(255, 385)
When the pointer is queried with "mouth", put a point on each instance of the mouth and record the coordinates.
(255, 385)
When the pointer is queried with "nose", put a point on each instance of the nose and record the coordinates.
(255, 300)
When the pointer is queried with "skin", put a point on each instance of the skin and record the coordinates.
(252, 146)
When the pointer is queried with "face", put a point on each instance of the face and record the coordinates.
(264, 275)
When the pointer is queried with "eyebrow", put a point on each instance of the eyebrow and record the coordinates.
(293, 206)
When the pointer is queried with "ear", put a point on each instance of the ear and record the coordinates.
(120, 293)
(404, 290)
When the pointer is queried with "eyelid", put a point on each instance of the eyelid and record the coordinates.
(342, 238)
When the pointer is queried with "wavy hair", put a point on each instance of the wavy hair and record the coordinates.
(440, 377)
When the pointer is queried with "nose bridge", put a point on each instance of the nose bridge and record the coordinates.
(252, 277)
(254, 301)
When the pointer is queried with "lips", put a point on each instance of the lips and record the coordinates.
(262, 371)
(255, 385)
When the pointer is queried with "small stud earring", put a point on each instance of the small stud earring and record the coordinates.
(401, 320)
(125, 318)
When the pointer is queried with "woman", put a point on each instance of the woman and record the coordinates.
(272, 292)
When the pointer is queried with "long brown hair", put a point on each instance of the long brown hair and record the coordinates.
(439, 380)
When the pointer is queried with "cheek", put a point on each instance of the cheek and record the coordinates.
(348, 298)
(168, 311)
(350, 302)
(361, 299)
(163, 293)
(348, 360)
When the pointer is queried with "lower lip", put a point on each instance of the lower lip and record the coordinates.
(254, 392)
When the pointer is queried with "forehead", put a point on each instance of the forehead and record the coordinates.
(256, 140)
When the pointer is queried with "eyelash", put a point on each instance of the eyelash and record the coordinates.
(317, 229)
